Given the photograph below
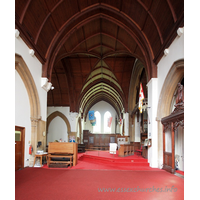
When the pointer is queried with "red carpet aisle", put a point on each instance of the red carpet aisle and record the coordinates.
(62, 184)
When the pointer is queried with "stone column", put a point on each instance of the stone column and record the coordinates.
(34, 128)
(126, 124)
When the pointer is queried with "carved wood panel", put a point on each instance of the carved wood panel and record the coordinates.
(168, 159)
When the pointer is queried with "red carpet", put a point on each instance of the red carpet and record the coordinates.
(180, 172)
(102, 176)
(39, 183)
(105, 160)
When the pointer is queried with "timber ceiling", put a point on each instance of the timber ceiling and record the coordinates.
(88, 47)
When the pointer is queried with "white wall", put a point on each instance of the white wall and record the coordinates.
(57, 130)
(72, 117)
(179, 146)
(22, 104)
(35, 68)
(102, 107)
(137, 129)
(126, 124)
(176, 52)
(153, 126)
(22, 112)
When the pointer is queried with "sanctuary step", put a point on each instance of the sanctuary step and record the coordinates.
(107, 158)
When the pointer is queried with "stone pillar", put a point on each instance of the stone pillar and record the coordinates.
(41, 134)
(132, 127)
(33, 140)
(152, 126)
(137, 127)
(126, 125)
(34, 129)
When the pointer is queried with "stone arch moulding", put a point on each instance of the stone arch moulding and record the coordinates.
(175, 74)
(25, 74)
(135, 81)
(58, 114)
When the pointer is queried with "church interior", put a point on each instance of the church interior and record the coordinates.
(99, 93)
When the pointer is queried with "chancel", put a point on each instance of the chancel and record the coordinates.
(99, 90)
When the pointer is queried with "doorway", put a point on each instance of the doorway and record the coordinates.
(19, 147)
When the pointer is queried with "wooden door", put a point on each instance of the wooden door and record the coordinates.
(19, 147)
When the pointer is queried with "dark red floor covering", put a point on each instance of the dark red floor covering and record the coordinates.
(105, 160)
(39, 183)
(180, 172)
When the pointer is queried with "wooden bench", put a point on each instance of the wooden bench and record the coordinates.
(50, 156)
(126, 150)
(62, 150)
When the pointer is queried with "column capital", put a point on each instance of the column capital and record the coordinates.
(34, 121)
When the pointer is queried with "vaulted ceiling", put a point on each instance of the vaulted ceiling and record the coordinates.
(88, 47)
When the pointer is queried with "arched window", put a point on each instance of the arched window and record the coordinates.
(107, 117)
(97, 127)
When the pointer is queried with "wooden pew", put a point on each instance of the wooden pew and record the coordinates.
(63, 150)
(126, 150)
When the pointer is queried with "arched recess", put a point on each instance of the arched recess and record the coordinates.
(25, 74)
(59, 114)
(29, 83)
(174, 76)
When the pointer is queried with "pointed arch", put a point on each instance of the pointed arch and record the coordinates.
(58, 114)
(25, 74)
(35, 113)
(175, 75)
(134, 83)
